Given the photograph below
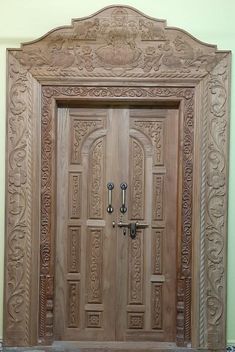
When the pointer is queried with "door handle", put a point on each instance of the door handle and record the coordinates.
(123, 187)
(110, 187)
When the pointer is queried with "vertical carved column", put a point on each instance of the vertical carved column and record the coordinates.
(18, 203)
(213, 284)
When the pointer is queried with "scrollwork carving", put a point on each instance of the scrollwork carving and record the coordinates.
(216, 195)
(19, 197)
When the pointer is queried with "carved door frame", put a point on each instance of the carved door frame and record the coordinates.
(159, 65)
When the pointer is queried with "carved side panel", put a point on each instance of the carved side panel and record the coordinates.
(94, 265)
(75, 184)
(157, 306)
(19, 205)
(158, 197)
(137, 180)
(74, 249)
(73, 304)
(214, 192)
(80, 130)
(154, 130)
(136, 274)
(96, 180)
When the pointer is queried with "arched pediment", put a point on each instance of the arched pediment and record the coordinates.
(119, 41)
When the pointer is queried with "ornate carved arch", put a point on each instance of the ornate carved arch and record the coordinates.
(116, 54)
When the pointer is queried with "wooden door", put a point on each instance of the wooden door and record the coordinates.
(108, 285)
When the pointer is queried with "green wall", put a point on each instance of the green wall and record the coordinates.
(210, 21)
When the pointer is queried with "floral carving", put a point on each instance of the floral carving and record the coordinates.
(81, 129)
(18, 203)
(136, 269)
(95, 266)
(216, 195)
(137, 180)
(95, 195)
(155, 131)
(124, 41)
(156, 306)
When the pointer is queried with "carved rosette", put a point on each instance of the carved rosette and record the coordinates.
(117, 42)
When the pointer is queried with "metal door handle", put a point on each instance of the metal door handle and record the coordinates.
(123, 187)
(110, 187)
(128, 224)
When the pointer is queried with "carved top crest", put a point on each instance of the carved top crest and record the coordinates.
(118, 41)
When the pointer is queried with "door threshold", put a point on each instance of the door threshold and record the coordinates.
(113, 346)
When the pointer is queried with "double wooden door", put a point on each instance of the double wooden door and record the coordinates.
(110, 285)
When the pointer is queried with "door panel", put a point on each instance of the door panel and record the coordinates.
(147, 311)
(109, 286)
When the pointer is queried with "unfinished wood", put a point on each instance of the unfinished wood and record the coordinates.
(90, 61)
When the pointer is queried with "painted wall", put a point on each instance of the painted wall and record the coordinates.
(211, 21)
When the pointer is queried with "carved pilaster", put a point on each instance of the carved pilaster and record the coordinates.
(213, 263)
(19, 206)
